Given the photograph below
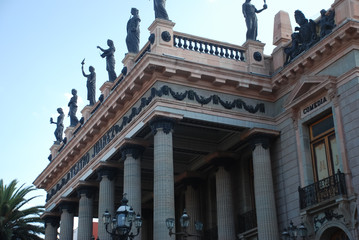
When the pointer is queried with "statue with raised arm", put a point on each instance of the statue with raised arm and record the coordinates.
(73, 109)
(59, 125)
(91, 83)
(160, 9)
(133, 32)
(249, 12)
(110, 59)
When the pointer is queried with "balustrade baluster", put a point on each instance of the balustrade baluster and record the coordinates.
(185, 45)
(231, 53)
(222, 53)
(237, 55)
(216, 50)
(226, 54)
(180, 42)
(190, 47)
(200, 47)
(195, 45)
(206, 47)
(211, 49)
(175, 37)
(242, 55)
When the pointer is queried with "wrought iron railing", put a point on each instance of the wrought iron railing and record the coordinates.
(322, 190)
(247, 221)
(208, 47)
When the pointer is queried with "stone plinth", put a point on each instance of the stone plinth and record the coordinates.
(106, 89)
(55, 149)
(129, 61)
(345, 9)
(255, 56)
(69, 132)
(282, 30)
(86, 112)
(159, 28)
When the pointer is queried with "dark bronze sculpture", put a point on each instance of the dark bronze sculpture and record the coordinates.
(326, 22)
(110, 60)
(73, 109)
(249, 12)
(59, 125)
(133, 32)
(160, 9)
(91, 83)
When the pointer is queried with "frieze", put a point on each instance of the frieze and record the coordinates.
(328, 215)
(145, 101)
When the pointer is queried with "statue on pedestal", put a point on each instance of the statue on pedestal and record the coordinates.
(160, 9)
(133, 32)
(307, 31)
(110, 60)
(73, 108)
(249, 12)
(59, 125)
(91, 83)
(327, 22)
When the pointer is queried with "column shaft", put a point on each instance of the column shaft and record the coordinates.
(66, 225)
(85, 217)
(225, 217)
(192, 207)
(51, 226)
(132, 184)
(106, 202)
(163, 184)
(264, 194)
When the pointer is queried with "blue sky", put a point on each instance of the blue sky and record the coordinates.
(42, 44)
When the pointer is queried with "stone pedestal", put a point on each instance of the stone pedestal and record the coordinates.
(129, 61)
(55, 149)
(106, 89)
(86, 112)
(162, 29)
(85, 214)
(106, 200)
(264, 191)
(345, 9)
(69, 133)
(66, 222)
(164, 201)
(255, 56)
(225, 211)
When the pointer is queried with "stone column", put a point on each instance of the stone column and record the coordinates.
(51, 226)
(192, 205)
(164, 206)
(85, 213)
(131, 153)
(67, 221)
(106, 200)
(264, 190)
(225, 211)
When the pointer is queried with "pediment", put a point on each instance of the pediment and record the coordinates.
(309, 87)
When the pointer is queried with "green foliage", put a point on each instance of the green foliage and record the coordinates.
(17, 221)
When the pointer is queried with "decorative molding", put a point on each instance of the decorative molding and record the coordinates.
(109, 172)
(164, 123)
(329, 215)
(132, 149)
(88, 191)
(53, 220)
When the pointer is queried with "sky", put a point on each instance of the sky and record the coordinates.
(42, 44)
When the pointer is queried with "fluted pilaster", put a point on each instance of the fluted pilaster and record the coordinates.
(106, 200)
(264, 191)
(164, 206)
(67, 221)
(225, 211)
(85, 213)
(51, 226)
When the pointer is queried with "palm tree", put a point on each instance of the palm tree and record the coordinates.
(17, 221)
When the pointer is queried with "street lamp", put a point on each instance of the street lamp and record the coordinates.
(184, 221)
(293, 232)
(121, 225)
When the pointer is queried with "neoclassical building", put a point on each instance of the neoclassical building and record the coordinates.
(245, 142)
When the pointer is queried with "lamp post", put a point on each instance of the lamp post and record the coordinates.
(293, 232)
(184, 221)
(121, 224)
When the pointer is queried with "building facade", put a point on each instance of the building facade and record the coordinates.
(244, 142)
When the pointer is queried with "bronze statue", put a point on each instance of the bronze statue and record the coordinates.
(110, 60)
(160, 9)
(249, 12)
(59, 125)
(91, 83)
(326, 22)
(73, 109)
(133, 32)
(307, 31)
